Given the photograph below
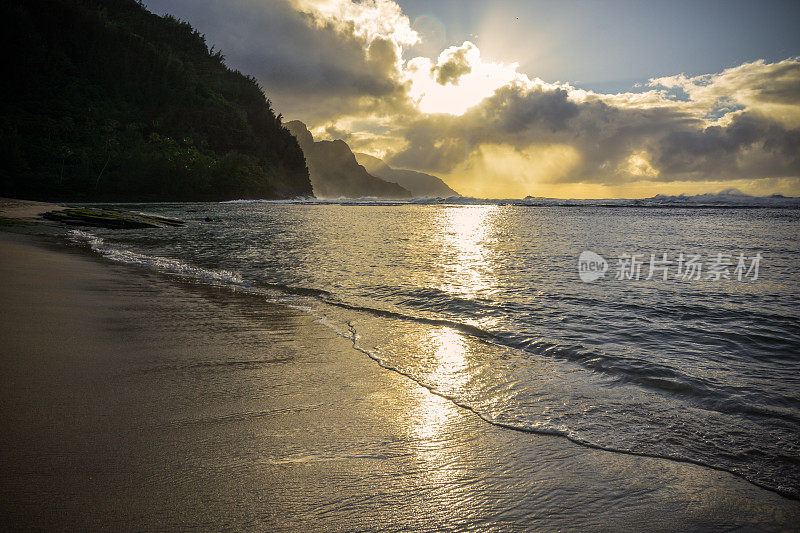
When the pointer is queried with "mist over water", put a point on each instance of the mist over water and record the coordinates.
(481, 303)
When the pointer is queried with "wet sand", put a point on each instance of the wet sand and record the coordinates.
(27, 210)
(137, 401)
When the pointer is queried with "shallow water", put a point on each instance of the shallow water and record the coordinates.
(482, 304)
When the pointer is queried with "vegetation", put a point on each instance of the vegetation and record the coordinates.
(104, 100)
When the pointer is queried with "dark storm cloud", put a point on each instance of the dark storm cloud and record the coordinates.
(751, 145)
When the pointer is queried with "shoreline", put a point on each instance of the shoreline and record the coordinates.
(207, 407)
(27, 210)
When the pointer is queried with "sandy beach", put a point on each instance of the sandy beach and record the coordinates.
(25, 210)
(134, 401)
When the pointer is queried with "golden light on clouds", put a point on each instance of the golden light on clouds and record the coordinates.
(458, 80)
(471, 117)
(638, 165)
(771, 90)
(369, 20)
(501, 171)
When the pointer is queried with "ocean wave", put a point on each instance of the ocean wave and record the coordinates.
(729, 198)
(628, 369)
(546, 426)
(161, 264)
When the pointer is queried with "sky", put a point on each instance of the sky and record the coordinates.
(506, 99)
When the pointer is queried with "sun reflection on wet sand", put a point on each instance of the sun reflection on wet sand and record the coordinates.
(436, 442)
(444, 350)
(433, 429)
(449, 351)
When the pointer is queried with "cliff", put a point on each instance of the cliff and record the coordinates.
(334, 171)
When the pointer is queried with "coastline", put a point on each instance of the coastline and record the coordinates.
(25, 210)
(137, 401)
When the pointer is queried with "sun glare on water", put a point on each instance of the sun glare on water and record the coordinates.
(467, 257)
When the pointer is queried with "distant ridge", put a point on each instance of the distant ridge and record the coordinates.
(421, 185)
(334, 171)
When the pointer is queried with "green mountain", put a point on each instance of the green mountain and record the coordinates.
(103, 100)
(335, 173)
(421, 185)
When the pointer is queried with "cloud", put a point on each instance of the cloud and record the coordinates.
(317, 60)
(367, 19)
(459, 79)
(771, 90)
(492, 169)
(751, 145)
(342, 67)
(454, 63)
(527, 114)
(332, 133)
(608, 144)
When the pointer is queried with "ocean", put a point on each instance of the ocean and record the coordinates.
(677, 337)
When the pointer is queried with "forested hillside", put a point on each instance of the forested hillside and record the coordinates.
(103, 100)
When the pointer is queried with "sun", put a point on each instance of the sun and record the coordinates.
(472, 80)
